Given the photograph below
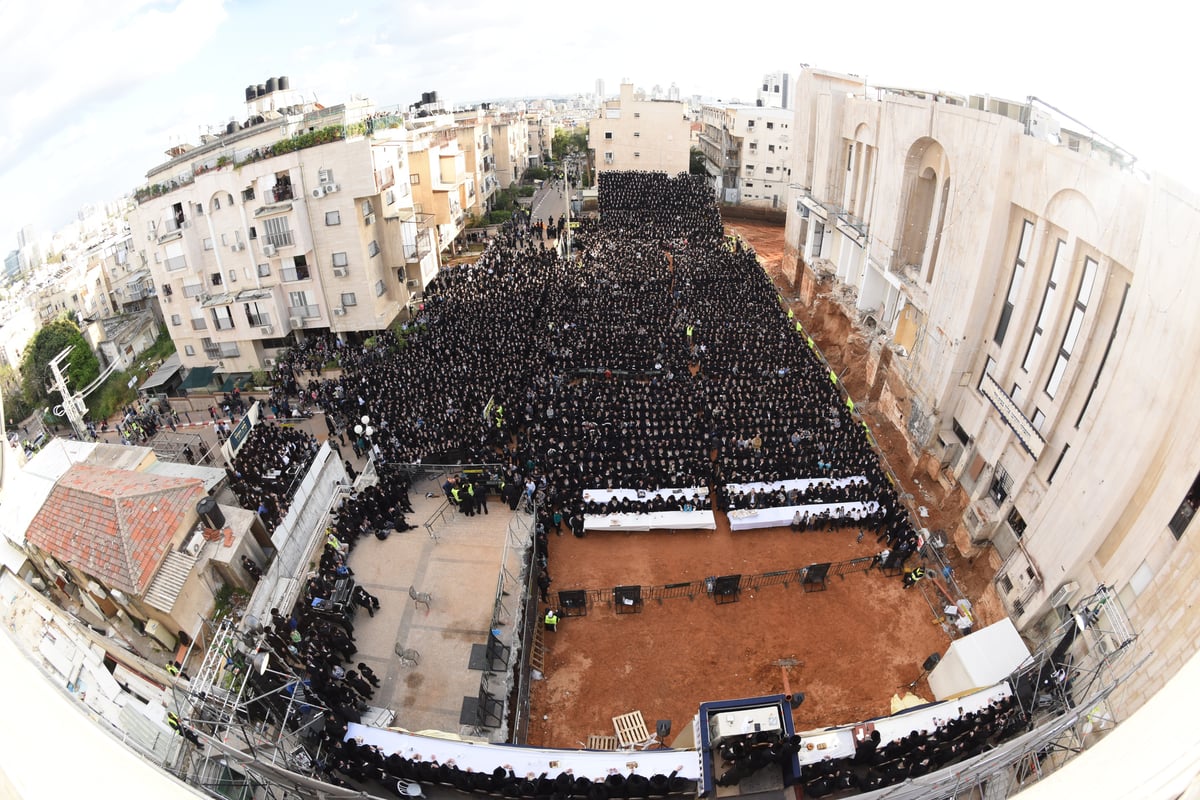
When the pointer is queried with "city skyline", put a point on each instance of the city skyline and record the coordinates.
(93, 96)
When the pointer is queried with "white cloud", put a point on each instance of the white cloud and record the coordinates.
(344, 21)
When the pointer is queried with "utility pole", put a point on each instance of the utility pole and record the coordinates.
(72, 405)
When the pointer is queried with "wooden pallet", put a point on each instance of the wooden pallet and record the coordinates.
(597, 742)
(631, 729)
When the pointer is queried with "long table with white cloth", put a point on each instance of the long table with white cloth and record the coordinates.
(485, 757)
(654, 520)
(799, 484)
(605, 495)
(839, 742)
(744, 519)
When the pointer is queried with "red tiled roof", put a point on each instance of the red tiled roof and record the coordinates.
(114, 524)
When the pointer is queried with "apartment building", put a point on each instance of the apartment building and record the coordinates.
(301, 220)
(474, 130)
(510, 138)
(775, 91)
(747, 153)
(631, 133)
(1028, 292)
(442, 187)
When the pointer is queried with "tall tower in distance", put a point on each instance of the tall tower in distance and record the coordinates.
(599, 91)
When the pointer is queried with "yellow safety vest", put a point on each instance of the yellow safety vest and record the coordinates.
(551, 618)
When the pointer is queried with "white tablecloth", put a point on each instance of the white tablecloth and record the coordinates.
(839, 742)
(656, 520)
(745, 519)
(799, 484)
(604, 495)
(483, 757)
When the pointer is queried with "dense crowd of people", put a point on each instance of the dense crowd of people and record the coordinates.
(873, 766)
(655, 356)
(266, 467)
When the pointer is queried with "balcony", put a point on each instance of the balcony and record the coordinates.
(199, 324)
(304, 312)
(219, 350)
(282, 192)
(223, 324)
(277, 240)
(296, 273)
(175, 263)
(258, 320)
(170, 232)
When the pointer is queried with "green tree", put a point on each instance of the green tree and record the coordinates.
(696, 162)
(567, 141)
(81, 367)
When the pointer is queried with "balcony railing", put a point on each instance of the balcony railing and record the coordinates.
(258, 320)
(217, 351)
(223, 324)
(175, 262)
(282, 192)
(295, 274)
(283, 239)
(304, 312)
(199, 324)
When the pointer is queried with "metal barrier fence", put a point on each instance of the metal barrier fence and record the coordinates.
(595, 598)
(927, 551)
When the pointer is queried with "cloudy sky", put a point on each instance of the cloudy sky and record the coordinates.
(92, 93)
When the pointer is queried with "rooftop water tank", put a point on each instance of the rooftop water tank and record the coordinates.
(284, 84)
(272, 85)
(261, 89)
(250, 93)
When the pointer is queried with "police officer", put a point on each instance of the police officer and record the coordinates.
(912, 577)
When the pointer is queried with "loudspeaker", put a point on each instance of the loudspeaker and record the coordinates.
(931, 662)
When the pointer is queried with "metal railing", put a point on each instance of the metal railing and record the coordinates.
(595, 598)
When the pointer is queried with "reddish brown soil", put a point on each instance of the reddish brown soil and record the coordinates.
(858, 642)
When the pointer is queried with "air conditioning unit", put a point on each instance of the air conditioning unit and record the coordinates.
(318, 192)
(296, 322)
(370, 219)
(339, 312)
(237, 247)
(194, 544)
(340, 272)
(268, 250)
(413, 283)
(156, 631)
(1063, 594)
(330, 188)
(268, 362)
(267, 330)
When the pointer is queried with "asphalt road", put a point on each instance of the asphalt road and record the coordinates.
(549, 201)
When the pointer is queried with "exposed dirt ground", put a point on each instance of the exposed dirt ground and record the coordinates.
(857, 643)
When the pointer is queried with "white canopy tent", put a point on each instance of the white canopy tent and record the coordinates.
(978, 660)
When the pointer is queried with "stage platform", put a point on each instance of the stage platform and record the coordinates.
(460, 569)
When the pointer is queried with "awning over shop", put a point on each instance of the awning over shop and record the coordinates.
(239, 381)
(163, 374)
(198, 378)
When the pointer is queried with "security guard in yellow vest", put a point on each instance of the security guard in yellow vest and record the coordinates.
(551, 620)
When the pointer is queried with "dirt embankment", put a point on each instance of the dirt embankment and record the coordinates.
(849, 353)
